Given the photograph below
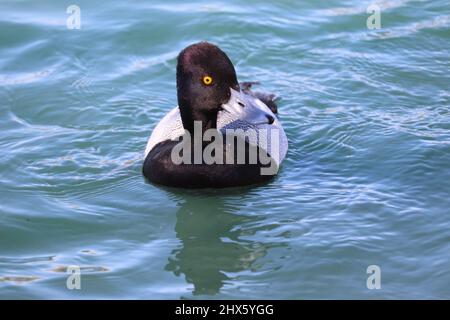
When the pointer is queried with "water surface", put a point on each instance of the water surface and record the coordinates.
(366, 180)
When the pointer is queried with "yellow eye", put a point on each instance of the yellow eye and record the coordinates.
(207, 80)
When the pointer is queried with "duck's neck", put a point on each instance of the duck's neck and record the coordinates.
(207, 120)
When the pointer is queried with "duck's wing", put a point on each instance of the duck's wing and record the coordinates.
(245, 111)
(169, 128)
(268, 98)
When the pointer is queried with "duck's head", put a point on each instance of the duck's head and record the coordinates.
(205, 77)
(207, 83)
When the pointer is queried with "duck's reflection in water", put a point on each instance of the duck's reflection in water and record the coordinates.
(212, 245)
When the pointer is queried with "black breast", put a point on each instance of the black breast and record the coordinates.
(159, 169)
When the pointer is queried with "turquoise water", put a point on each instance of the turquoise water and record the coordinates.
(366, 180)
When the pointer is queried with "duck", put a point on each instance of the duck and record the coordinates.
(214, 116)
